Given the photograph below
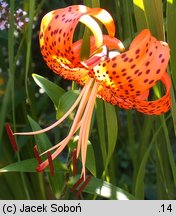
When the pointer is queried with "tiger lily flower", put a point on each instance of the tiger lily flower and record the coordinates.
(122, 79)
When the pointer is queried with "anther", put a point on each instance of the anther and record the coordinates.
(37, 156)
(51, 166)
(83, 186)
(11, 137)
(75, 186)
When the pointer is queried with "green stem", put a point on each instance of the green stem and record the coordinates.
(11, 59)
(23, 180)
(29, 39)
(12, 76)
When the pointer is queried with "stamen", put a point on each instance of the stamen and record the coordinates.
(88, 100)
(83, 186)
(79, 181)
(74, 162)
(82, 120)
(11, 137)
(84, 130)
(37, 154)
(75, 126)
(56, 146)
(51, 166)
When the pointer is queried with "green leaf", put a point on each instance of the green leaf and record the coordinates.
(112, 130)
(169, 148)
(127, 19)
(66, 101)
(140, 16)
(51, 89)
(149, 14)
(104, 189)
(85, 47)
(28, 165)
(42, 141)
(100, 117)
(154, 15)
(171, 36)
(139, 184)
(145, 145)
(29, 43)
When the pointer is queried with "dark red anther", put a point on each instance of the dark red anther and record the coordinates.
(74, 162)
(11, 137)
(83, 186)
(37, 156)
(50, 161)
(79, 181)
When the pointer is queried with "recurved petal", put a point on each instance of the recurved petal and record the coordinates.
(56, 34)
(152, 69)
(159, 106)
(105, 18)
(111, 96)
(140, 102)
(135, 71)
(80, 75)
(44, 25)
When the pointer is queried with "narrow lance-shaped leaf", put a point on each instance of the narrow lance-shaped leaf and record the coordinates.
(171, 35)
(112, 130)
(66, 101)
(28, 165)
(154, 15)
(104, 189)
(139, 12)
(100, 117)
(51, 89)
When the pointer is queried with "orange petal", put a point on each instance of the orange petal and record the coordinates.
(112, 97)
(112, 72)
(56, 36)
(135, 71)
(159, 106)
(140, 102)
(104, 18)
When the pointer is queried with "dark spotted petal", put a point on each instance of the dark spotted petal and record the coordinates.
(56, 38)
(128, 77)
